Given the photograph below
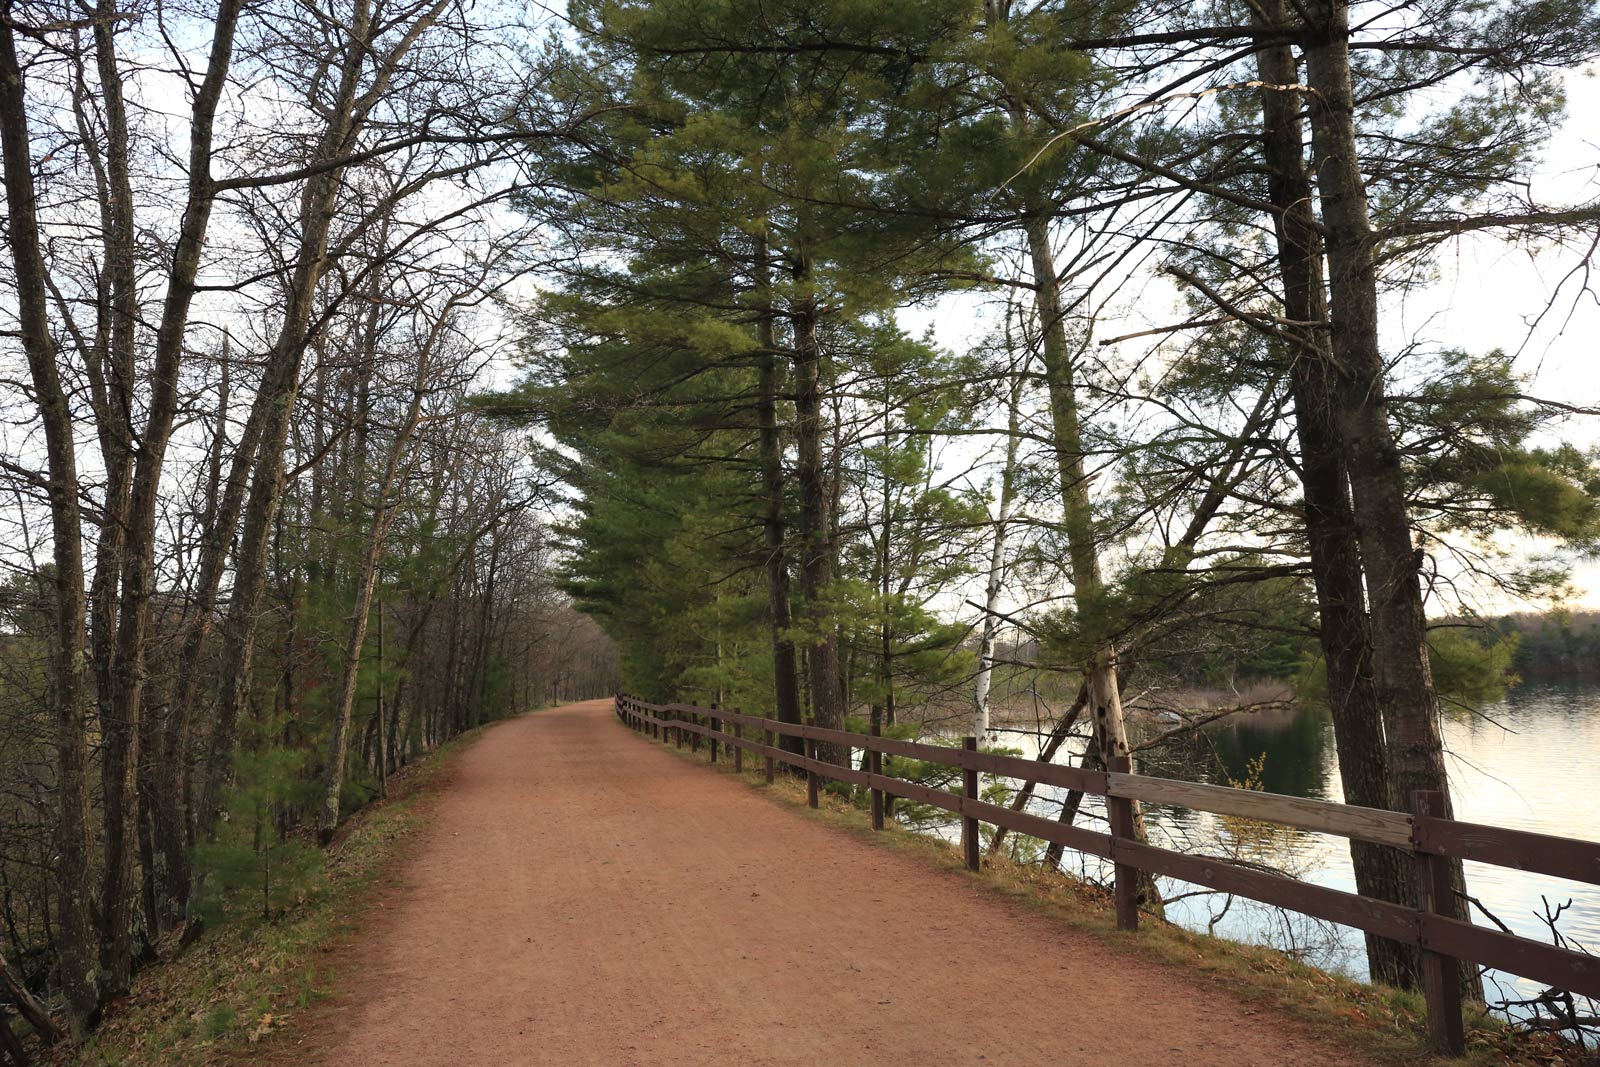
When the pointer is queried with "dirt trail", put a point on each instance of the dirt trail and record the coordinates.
(583, 897)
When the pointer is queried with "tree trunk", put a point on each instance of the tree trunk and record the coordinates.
(75, 938)
(816, 542)
(377, 716)
(119, 759)
(1380, 872)
(11, 1047)
(1100, 672)
(1053, 853)
(785, 672)
(339, 742)
(120, 544)
(997, 559)
(179, 805)
(280, 387)
(1392, 563)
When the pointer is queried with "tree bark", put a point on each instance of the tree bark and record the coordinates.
(785, 674)
(136, 537)
(816, 541)
(997, 558)
(1100, 671)
(75, 937)
(378, 718)
(1392, 562)
(328, 819)
(279, 389)
(1330, 524)
(119, 722)
(181, 799)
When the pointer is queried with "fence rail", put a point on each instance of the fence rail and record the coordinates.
(1431, 840)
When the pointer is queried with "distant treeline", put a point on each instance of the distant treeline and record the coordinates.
(1553, 643)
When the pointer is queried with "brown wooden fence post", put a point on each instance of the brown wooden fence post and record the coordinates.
(969, 792)
(738, 745)
(677, 729)
(875, 768)
(811, 774)
(1441, 975)
(694, 738)
(1120, 812)
(771, 768)
(716, 724)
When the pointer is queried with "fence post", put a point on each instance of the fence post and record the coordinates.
(770, 768)
(677, 729)
(1120, 812)
(1441, 974)
(738, 745)
(694, 738)
(811, 774)
(716, 724)
(875, 768)
(969, 792)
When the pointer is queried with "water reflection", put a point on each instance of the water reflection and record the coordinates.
(1298, 746)
(1531, 762)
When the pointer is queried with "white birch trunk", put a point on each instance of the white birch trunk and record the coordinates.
(997, 558)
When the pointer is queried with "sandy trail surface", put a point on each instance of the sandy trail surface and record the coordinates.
(581, 896)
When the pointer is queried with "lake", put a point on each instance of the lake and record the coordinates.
(1531, 762)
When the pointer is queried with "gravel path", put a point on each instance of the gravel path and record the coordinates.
(582, 897)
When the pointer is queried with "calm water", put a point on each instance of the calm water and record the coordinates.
(1531, 762)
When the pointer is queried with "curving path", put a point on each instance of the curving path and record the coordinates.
(582, 897)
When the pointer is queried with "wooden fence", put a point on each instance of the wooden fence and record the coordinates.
(1431, 840)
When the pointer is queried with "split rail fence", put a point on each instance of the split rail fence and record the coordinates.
(1432, 841)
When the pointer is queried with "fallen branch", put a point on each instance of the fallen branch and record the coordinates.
(27, 1005)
